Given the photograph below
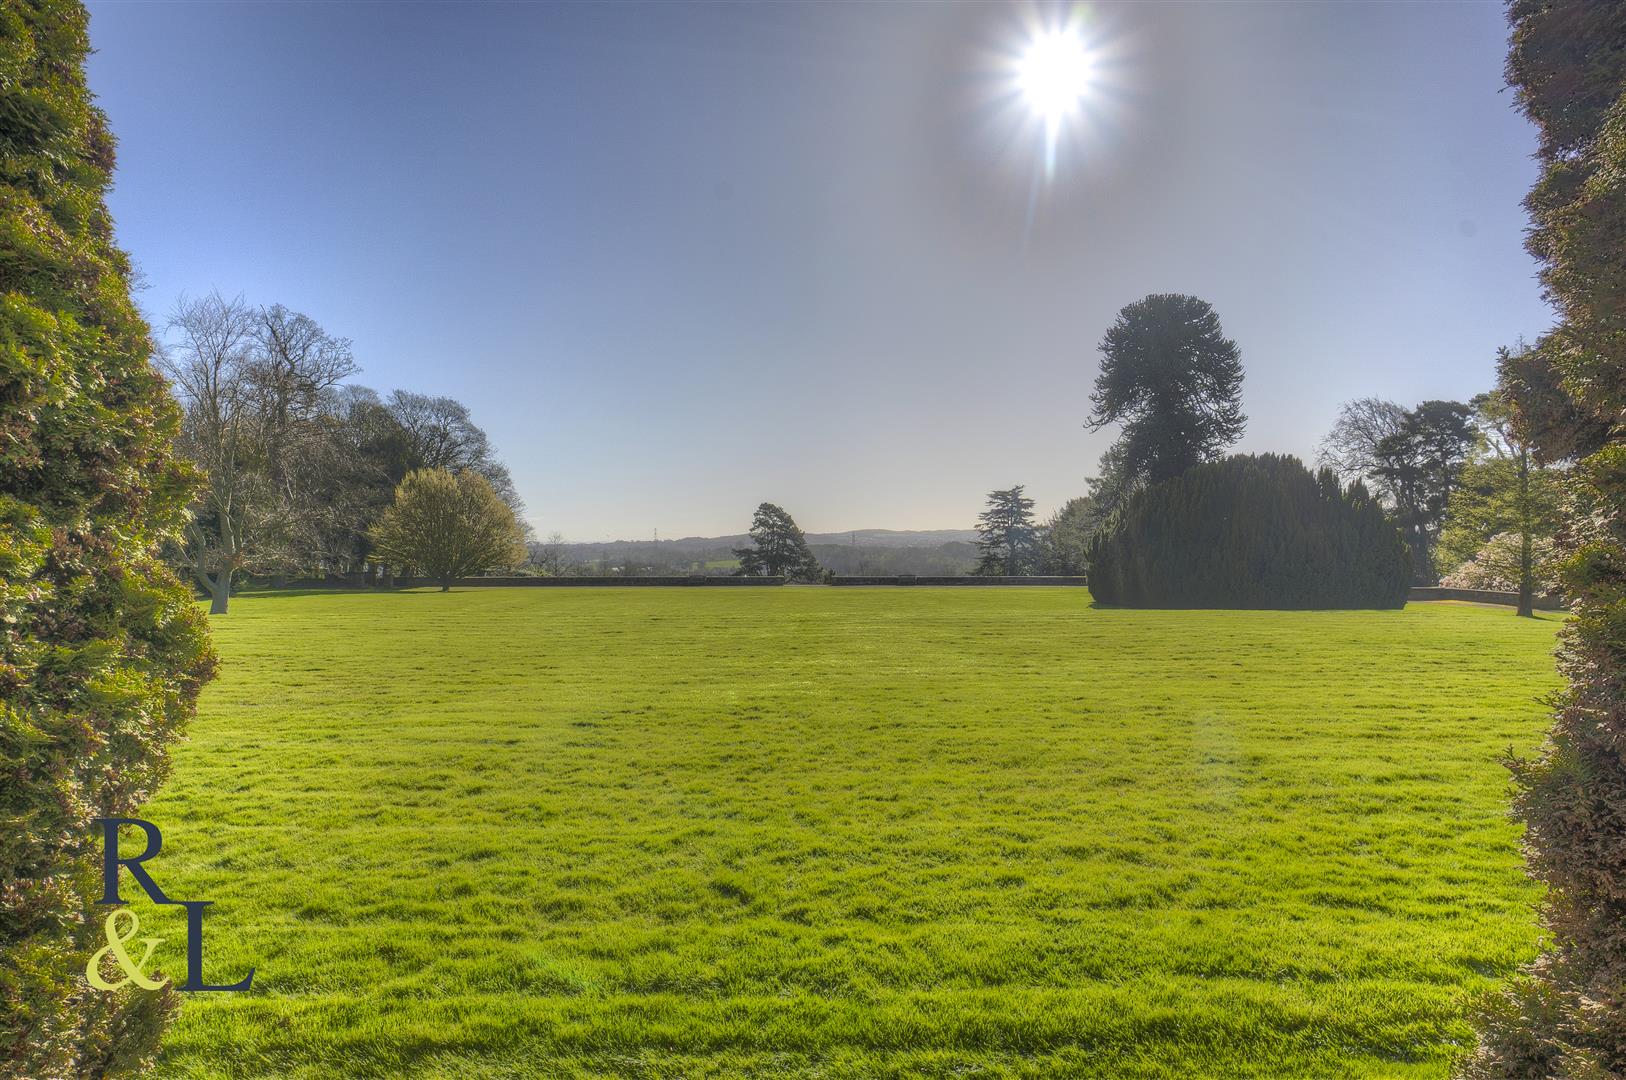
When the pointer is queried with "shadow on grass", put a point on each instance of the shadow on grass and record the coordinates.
(285, 594)
(1540, 614)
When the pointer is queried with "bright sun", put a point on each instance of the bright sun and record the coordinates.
(1054, 75)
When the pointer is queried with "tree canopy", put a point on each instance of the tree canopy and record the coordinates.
(1350, 449)
(1173, 379)
(1417, 466)
(778, 548)
(297, 464)
(448, 525)
(1504, 511)
(1008, 542)
(1064, 546)
(1410, 459)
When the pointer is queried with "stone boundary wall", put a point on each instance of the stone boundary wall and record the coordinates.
(1484, 596)
(910, 579)
(355, 581)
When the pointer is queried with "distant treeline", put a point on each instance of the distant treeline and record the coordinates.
(297, 464)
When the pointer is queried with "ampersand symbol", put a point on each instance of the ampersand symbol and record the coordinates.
(115, 947)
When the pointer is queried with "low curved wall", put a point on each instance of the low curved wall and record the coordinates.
(356, 581)
(1484, 596)
(565, 582)
(907, 579)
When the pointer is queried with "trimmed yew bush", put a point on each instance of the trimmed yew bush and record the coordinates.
(1250, 531)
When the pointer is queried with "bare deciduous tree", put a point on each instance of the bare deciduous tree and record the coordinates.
(252, 383)
(1350, 449)
(295, 363)
(549, 555)
(440, 434)
(210, 368)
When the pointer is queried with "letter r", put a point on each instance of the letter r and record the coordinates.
(111, 860)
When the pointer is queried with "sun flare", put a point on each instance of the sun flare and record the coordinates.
(1054, 75)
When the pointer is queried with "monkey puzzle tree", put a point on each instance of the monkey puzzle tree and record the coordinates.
(1173, 379)
(102, 652)
(1566, 1016)
(778, 548)
(447, 526)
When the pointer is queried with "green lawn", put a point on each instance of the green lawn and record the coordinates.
(846, 833)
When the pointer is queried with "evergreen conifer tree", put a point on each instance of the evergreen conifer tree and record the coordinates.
(778, 548)
(1009, 540)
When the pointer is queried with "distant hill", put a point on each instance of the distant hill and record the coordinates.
(860, 551)
(896, 537)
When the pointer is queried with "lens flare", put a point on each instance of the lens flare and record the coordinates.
(1054, 76)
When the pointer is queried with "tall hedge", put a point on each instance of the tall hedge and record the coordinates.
(1250, 531)
(102, 652)
(1565, 1017)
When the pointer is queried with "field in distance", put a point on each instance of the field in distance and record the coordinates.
(846, 833)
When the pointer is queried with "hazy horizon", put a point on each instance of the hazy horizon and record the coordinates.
(682, 260)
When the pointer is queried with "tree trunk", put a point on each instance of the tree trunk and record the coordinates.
(1526, 586)
(219, 592)
(1526, 568)
(1422, 562)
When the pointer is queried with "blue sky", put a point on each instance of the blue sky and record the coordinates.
(683, 259)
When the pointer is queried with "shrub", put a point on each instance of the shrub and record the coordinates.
(102, 653)
(448, 526)
(1250, 531)
(1496, 566)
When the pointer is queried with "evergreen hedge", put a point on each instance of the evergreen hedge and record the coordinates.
(102, 652)
(1565, 1016)
(1250, 531)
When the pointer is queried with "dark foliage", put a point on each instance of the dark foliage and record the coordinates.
(1064, 545)
(1008, 540)
(1565, 1017)
(102, 653)
(1419, 465)
(1250, 531)
(778, 548)
(1173, 379)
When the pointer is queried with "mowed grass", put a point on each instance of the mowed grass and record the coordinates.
(846, 833)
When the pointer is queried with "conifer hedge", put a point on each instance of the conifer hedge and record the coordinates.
(1565, 1016)
(102, 652)
(1250, 531)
